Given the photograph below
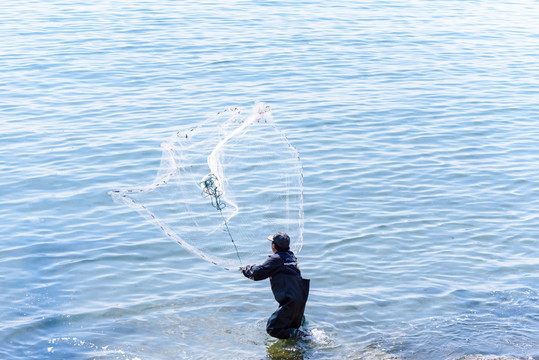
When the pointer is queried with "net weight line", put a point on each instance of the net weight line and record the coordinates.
(210, 189)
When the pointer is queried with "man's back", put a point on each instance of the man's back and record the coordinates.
(289, 289)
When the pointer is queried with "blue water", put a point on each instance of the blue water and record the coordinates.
(417, 124)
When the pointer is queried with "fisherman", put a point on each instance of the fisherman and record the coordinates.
(289, 288)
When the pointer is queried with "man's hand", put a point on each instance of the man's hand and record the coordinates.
(246, 271)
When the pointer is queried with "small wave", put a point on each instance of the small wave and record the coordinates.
(487, 357)
(64, 346)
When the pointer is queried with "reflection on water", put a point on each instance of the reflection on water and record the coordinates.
(286, 349)
(317, 341)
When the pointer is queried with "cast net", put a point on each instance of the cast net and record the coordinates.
(223, 186)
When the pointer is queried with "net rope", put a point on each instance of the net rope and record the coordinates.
(210, 188)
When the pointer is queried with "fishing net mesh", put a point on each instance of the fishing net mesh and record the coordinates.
(223, 186)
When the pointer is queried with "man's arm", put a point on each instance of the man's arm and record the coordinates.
(261, 272)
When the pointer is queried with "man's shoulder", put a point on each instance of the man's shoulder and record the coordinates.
(274, 257)
(286, 254)
(287, 257)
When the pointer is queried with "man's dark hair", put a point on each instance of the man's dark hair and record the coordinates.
(279, 249)
(281, 240)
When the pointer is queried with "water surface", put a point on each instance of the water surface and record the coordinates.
(418, 130)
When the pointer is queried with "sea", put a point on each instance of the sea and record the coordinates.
(417, 125)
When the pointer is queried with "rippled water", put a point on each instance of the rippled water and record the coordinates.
(417, 123)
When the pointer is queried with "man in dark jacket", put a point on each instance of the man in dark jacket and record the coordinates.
(289, 288)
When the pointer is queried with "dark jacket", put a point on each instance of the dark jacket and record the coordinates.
(283, 261)
(289, 289)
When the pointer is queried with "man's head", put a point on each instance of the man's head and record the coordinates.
(281, 241)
